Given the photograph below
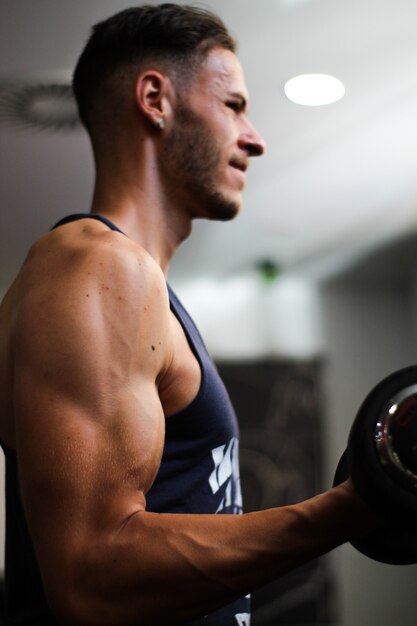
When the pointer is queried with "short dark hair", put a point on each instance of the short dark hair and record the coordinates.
(178, 35)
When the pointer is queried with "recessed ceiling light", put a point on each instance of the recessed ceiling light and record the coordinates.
(314, 89)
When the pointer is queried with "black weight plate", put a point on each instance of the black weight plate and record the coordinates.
(393, 545)
(391, 500)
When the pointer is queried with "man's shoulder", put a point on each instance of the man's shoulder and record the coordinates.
(79, 277)
(77, 294)
(86, 251)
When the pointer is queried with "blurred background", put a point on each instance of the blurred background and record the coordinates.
(305, 301)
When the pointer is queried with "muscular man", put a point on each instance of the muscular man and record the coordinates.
(114, 422)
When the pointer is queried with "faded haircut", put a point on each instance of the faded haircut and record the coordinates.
(178, 37)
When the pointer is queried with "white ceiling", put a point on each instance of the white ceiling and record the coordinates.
(336, 181)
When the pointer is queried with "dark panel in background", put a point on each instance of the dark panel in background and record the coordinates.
(278, 406)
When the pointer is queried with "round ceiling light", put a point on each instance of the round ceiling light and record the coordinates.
(314, 89)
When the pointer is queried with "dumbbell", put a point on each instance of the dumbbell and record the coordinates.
(381, 459)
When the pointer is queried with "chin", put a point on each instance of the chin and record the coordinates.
(223, 209)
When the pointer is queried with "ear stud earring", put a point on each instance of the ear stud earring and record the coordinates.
(160, 124)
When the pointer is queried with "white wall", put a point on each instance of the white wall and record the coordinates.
(247, 317)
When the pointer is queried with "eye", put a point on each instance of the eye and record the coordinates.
(234, 105)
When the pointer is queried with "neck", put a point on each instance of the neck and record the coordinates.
(134, 199)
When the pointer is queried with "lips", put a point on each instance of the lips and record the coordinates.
(239, 164)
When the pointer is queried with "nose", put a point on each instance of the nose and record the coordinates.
(251, 141)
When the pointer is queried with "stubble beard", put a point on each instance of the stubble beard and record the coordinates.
(191, 162)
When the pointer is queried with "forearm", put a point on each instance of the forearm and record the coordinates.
(164, 569)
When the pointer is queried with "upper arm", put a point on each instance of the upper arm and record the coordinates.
(89, 349)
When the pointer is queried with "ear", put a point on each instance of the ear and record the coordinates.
(152, 97)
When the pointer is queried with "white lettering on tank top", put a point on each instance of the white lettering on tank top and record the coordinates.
(226, 472)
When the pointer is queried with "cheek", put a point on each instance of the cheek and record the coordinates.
(220, 122)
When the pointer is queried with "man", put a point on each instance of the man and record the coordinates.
(120, 441)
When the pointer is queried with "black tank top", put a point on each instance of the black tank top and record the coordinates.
(199, 473)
